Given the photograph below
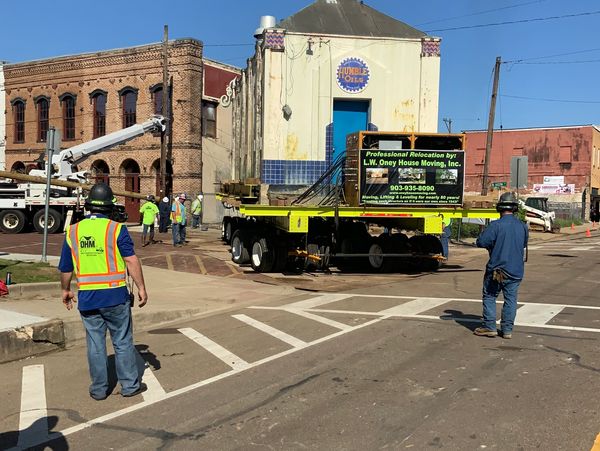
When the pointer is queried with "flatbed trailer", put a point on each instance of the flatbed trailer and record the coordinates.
(378, 239)
(379, 207)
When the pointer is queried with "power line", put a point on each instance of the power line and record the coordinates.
(536, 19)
(576, 52)
(562, 62)
(550, 100)
(480, 12)
(228, 45)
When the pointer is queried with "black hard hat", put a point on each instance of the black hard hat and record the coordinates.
(101, 196)
(150, 198)
(507, 202)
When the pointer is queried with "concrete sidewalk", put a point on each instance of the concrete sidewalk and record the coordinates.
(39, 322)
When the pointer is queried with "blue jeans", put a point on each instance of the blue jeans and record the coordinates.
(118, 321)
(178, 233)
(491, 290)
(196, 221)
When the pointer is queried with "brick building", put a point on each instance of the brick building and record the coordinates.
(568, 156)
(88, 95)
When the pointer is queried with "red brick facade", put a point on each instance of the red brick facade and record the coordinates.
(562, 151)
(138, 68)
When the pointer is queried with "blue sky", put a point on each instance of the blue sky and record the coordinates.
(550, 83)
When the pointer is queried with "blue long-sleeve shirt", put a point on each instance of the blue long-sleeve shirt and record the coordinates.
(505, 240)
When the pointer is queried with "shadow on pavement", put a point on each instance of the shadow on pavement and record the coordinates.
(468, 321)
(33, 436)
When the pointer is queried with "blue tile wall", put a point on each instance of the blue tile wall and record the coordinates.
(292, 172)
(329, 143)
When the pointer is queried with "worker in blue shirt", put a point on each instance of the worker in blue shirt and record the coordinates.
(100, 253)
(506, 240)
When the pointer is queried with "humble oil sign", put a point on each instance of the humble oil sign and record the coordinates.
(352, 75)
(411, 177)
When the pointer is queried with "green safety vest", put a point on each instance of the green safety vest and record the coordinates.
(96, 258)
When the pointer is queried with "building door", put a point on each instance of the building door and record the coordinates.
(349, 116)
(132, 183)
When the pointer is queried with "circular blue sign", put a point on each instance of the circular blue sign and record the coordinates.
(352, 75)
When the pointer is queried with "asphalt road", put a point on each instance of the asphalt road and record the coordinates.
(393, 365)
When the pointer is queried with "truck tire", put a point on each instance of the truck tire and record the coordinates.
(262, 257)
(12, 221)
(240, 253)
(226, 230)
(54, 221)
(281, 258)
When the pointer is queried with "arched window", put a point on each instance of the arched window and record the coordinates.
(19, 120)
(68, 107)
(98, 98)
(42, 104)
(18, 166)
(100, 171)
(157, 98)
(128, 98)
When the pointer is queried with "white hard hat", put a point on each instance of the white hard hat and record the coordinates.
(165, 199)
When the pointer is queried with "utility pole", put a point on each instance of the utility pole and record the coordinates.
(490, 130)
(448, 122)
(165, 114)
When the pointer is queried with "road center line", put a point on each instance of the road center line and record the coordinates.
(215, 349)
(33, 421)
(293, 341)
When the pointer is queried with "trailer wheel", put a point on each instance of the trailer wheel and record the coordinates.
(12, 221)
(239, 248)
(376, 260)
(227, 230)
(54, 221)
(262, 257)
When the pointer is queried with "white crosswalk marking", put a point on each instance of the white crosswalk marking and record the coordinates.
(293, 341)
(155, 390)
(318, 300)
(215, 349)
(415, 307)
(33, 422)
(536, 314)
(320, 319)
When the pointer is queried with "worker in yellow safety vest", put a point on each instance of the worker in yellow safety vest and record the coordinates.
(99, 251)
(178, 221)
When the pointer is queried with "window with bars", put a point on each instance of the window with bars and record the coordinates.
(128, 102)
(99, 103)
(209, 119)
(19, 120)
(68, 105)
(43, 108)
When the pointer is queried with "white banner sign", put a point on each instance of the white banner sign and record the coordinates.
(554, 188)
(554, 179)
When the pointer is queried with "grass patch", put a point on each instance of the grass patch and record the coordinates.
(26, 272)
(565, 223)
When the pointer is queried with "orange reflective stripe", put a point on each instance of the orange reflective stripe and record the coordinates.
(114, 247)
(106, 239)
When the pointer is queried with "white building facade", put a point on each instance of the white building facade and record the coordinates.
(314, 79)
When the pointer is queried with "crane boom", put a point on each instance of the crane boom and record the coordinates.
(63, 162)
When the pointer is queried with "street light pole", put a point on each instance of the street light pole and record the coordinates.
(52, 145)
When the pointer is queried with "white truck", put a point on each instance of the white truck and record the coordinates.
(23, 203)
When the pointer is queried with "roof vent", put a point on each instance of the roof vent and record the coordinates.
(265, 22)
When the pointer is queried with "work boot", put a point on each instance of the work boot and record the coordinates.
(506, 335)
(484, 332)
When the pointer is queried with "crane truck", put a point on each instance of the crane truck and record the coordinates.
(379, 208)
(23, 203)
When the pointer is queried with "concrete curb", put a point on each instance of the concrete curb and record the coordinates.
(20, 290)
(35, 339)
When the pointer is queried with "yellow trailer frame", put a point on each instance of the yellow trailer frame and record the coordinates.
(294, 219)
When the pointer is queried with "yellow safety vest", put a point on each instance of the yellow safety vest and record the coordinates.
(176, 215)
(96, 257)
